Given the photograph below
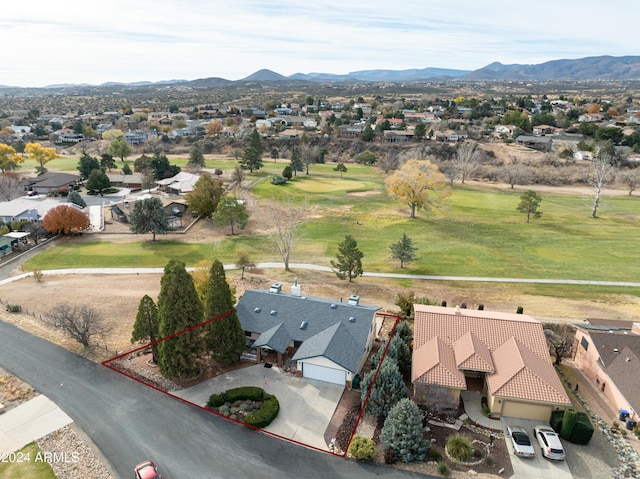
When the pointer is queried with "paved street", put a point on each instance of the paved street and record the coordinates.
(130, 422)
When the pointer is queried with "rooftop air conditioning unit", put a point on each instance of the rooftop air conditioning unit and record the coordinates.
(354, 299)
(275, 288)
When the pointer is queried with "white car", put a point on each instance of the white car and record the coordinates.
(549, 443)
(520, 441)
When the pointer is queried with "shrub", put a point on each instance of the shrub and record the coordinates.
(266, 414)
(224, 410)
(568, 422)
(520, 310)
(434, 455)
(247, 392)
(444, 470)
(14, 308)
(362, 448)
(459, 447)
(402, 432)
(278, 180)
(489, 461)
(216, 400)
(582, 430)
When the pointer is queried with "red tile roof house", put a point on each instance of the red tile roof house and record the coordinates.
(608, 352)
(503, 355)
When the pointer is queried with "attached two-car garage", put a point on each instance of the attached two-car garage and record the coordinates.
(324, 373)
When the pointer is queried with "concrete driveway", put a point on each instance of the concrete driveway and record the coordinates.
(306, 405)
(537, 467)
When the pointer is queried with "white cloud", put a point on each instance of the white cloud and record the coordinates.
(121, 40)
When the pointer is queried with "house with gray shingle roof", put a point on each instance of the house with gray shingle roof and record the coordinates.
(608, 352)
(504, 356)
(324, 339)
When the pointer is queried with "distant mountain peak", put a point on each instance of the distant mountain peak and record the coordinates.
(264, 75)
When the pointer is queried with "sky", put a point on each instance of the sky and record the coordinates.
(73, 41)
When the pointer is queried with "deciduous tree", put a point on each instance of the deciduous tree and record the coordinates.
(529, 204)
(243, 261)
(466, 159)
(601, 172)
(145, 327)
(366, 158)
(179, 308)
(341, 168)
(285, 219)
(402, 432)
(9, 158)
(40, 155)
(148, 216)
(225, 336)
(196, 157)
(80, 323)
(107, 162)
(65, 219)
(214, 128)
(419, 184)
(119, 148)
(349, 259)
(205, 196)
(10, 187)
(230, 212)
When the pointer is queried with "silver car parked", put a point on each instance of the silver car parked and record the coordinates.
(549, 443)
(520, 441)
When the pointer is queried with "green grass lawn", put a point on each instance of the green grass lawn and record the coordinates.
(30, 468)
(477, 232)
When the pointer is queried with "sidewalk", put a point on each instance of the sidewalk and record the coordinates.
(30, 421)
(473, 408)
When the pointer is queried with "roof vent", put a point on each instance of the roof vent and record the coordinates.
(303, 325)
(273, 312)
(457, 310)
(275, 288)
(615, 350)
(354, 299)
(257, 310)
(352, 319)
(334, 306)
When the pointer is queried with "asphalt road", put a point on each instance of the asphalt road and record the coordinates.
(130, 422)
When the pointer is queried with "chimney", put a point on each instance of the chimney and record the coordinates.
(275, 288)
(295, 289)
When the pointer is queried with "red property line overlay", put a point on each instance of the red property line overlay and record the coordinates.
(278, 436)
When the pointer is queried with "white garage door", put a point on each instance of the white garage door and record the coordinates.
(321, 373)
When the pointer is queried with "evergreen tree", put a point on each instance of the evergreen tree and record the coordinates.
(287, 172)
(251, 160)
(367, 134)
(404, 332)
(397, 351)
(403, 250)
(296, 160)
(196, 157)
(225, 337)
(126, 169)
(256, 143)
(75, 198)
(179, 308)
(402, 432)
(86, 164)
(230, 212)
(148, 216)
(107, 162)
(387, 390)
(98, 181)
(146, 326)
(161, 167)
(349, 259)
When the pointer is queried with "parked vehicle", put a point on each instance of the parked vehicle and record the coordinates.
(549, 443)
(521, 442)
(147, 470)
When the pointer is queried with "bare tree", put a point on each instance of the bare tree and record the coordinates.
(602, 169)
(9, 186)
(388, 162)
(237, 177)
(559, 339)
(285, 219)
(78, 322)
(309, 154)
(466, 159)
(514, 172)
(630, 179)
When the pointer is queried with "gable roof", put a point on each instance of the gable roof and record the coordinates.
(183, 182)
(434, 363)
(510, 348)
(338, 331)
(51, 180)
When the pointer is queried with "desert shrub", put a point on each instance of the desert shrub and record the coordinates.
(459, 447)
(224, 410)
(362, 448)
(489, 461)
(243, 406)
(14, 308)
(278, 180)
(444, 470)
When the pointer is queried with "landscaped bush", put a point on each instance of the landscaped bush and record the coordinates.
(574, 426)
(444, 470)
(14, 308)
(459, 447)
(434, 455)
(568, 422)
(582, 431)
(556, 420)
(216, 400)
(278, 180)
(266, 414)
(362, 448)
(247, 392)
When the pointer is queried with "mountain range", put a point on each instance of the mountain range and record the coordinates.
(583, 69)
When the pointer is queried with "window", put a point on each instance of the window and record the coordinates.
(584, 343)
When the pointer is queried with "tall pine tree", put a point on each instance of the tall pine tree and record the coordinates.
(146, 326)
(387, 390)
(179, 308)
(225, 337)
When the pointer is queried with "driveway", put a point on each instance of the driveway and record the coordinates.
(537, 467)
(306, 405)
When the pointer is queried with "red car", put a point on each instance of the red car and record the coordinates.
(147, 470)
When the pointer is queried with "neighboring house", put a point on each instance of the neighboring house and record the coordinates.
(398, 136)
(541, 143)
(20, 130)
(67, 135)
(503, 355)
(26, 209)
(50, 182)
(583, 155)
(608, 352)
(135, 137)
(133, 182)
(173, 210)
(542, 130)
(351, 131)
(327, 340)
(181, 183)
(291, 134)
